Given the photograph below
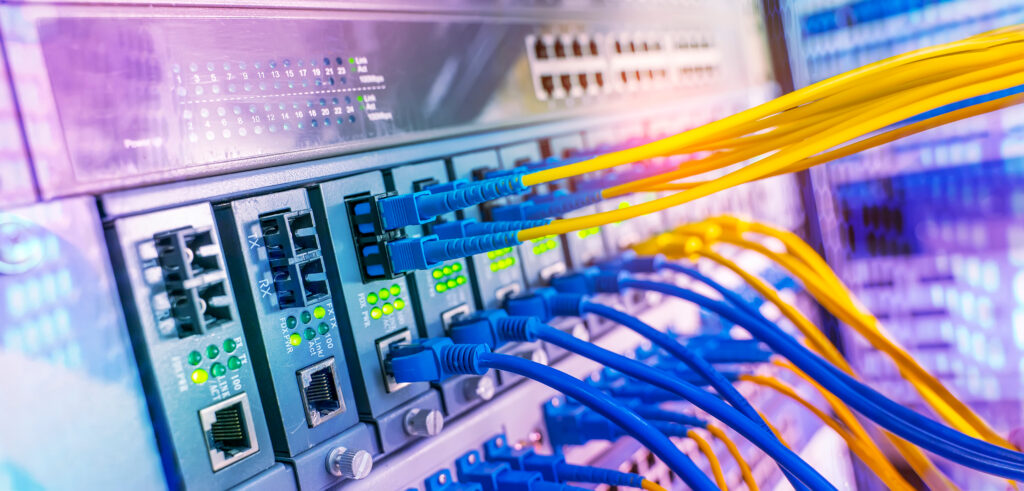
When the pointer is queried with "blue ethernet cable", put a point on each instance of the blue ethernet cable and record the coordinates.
(610, 282)
(908, 424)
(526, 328)
(437, 358)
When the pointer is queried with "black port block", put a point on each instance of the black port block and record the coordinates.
(370, 237)
(296, 263)
(194, 279)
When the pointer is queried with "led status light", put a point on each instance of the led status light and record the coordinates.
(376, 313)
(212, 351)
(199, 376)
(372, 298)
(395, 289)
(230, 345)
(292, 322)
(310, 333)
(399, 304)
(194, 358)
(323, 328)
(234, 363)
(294, 339)
(384, 293)
(319, 312)
(218, 370)
(306, 317)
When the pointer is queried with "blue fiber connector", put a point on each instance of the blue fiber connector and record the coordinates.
(524, 458)
(469, 227)
(416, 253)
(423, 206)
(556, 204)
(434, 360)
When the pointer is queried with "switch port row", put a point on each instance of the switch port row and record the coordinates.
(293, 251)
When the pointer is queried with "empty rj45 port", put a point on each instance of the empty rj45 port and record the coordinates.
(321, 392)
(194, 279)
(229, 431)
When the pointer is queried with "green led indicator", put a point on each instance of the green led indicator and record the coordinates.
(319, 312)
(399, 304)
(384, 293)
(437, 273)
(292, 322)
(294, 339)
(451, 284)
(375, 313)
(212, 351)
(457, 267)
(351, 61)
(234, 363)
(492, 254)
(323, 328)
(306, 317)
(461, 280)
(359, 98)
(230, 345)
(388, 309)
(494, 267)
(440, 288)
(199, 376)
(447, 270)
(310, 333)
(395, 289)
(194, 358)
(218, 370)
(372, 298)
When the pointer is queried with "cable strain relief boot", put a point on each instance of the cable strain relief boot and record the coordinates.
(410, 254)
(517, 328)
(566, 304)
(481, 228)
(443, 250)
(453, 230)
(644, 264)
(608, 281)
(463, 359)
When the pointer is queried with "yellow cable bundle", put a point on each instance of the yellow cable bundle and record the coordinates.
(803, 128)
(709, 453)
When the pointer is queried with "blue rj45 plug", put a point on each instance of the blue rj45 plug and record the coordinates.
(434, 360)
(574, 424)
(422, 207)
(554, 467)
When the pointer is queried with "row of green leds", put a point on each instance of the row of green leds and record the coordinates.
(217, 369)
(587, 232)
(503, 263)
(383, 295)
(492, 255)
(319, 312)
(544, 244)
(445, 285)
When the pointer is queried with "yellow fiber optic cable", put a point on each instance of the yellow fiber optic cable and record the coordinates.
(748, 476)
(860, 145)
(650, 485)
(839, 301)
(705, 448)
(685, 248)
(710, 131)
(779, 160)
(917, 460)
(865, 451)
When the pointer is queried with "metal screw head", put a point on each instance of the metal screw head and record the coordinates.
(478, 388)
(423, 422)
(350, 464)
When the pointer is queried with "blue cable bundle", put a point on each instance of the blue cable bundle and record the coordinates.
(916, 428)
(519, 328)
(435, 359)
